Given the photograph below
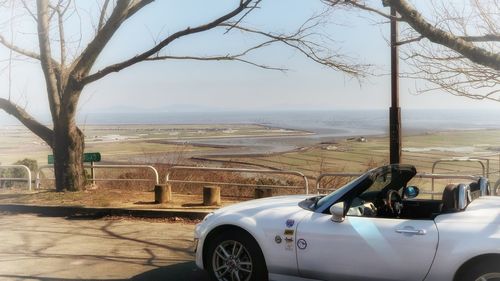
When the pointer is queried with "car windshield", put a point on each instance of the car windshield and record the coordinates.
(342, 190)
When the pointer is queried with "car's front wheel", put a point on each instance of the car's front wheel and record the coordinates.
(235, 256)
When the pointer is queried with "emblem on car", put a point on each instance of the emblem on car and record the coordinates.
(277, 239)
(301, 244)
(290, 222)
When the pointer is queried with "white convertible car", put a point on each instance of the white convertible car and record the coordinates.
(373, 228)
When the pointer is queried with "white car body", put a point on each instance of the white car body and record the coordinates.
(312, 246)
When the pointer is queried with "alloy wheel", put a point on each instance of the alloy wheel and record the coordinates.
(489, 277)
(231, 261)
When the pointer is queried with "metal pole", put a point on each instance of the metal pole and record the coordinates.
(395, 110)
(92, 173)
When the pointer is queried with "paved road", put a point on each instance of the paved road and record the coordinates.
(61, 249)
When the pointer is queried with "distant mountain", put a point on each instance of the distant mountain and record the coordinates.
(163, 109)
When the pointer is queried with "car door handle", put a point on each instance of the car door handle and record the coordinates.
(411, 231)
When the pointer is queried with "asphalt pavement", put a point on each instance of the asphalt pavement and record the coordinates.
(34, 247)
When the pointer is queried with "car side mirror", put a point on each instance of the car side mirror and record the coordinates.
(337, 211)
(411, 191)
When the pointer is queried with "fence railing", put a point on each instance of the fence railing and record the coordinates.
(26, 179)
(168, 178)
(156, 177)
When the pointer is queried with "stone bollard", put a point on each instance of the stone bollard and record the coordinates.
(261, 192)
(163, 193)
(211, 195)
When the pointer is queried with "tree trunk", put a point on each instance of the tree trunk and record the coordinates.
(68, 156)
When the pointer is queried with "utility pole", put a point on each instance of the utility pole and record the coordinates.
(395, 110)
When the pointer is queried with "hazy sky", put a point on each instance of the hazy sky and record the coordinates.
(194, 85)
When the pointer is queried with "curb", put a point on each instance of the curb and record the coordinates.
(90, 212)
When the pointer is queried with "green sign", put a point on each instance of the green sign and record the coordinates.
(87, 157)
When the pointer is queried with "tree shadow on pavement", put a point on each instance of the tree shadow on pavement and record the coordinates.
(186, 271)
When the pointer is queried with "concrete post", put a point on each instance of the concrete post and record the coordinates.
(261, 192)
(163, 193)
(211, 195)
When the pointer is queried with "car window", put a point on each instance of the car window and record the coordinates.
(328, 198)
(380, 183)
(363, 204)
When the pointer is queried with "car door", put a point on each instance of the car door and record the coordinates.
(365, 248)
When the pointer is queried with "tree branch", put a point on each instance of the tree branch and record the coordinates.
(28, 10)
(311, 50)
(143, 56)
(438, 36)
(18, 50)
(399, 43)
(250, 9)
(46, 59)
(122, 11)
(360, 6)
(60, 25)
(482, 38)
(27, 120)
(103, 15)
(218, 58)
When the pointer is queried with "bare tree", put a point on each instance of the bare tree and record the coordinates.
(66, 78)
(456, 48)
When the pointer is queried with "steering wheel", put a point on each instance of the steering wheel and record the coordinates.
(394, 202)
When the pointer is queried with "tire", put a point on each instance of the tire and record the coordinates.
(234, 253)
(480, 270)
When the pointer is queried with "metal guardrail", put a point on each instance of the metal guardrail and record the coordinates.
(92, 167)
(28, 179)
(486, 170)
(421, 176)
(496, 187)
(255, 171)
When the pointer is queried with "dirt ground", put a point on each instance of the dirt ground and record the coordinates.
(104, 197)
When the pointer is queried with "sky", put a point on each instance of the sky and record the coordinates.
(222, 86)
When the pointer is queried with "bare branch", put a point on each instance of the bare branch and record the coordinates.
(313, 51)
(143, 56)
(18, 50)
(218, 58)
(360, 6)
(235, 57)
(482, 38)
(416, 21)
(60, 25)
(46, 59)
(122, 11)
(250, 9)
(29, 10)
(103, 15)
(27, 120)
(399, 43)
(461, 54)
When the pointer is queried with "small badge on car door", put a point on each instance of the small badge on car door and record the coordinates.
(301, 244)
(277, 239)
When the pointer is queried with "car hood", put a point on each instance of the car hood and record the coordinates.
(280, 204)
(262, 216)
